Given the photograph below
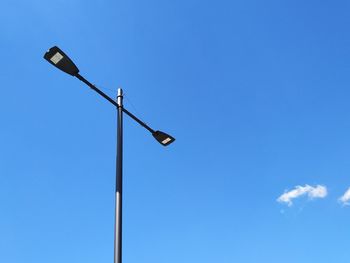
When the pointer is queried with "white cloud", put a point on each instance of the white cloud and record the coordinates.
(345, 198)
(312, 192)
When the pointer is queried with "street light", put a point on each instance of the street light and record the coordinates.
(61, 61)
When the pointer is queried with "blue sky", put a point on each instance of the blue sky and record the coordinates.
(255, 92)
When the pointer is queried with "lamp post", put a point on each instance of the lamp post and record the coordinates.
(61, 61)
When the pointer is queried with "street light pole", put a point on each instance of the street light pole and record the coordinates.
(119, 183)
(60, 60)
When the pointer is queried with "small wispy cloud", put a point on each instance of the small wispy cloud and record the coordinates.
(345, 198)
(318, 191)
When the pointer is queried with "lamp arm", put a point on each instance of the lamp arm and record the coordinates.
(93, 87)
(104, 95)
(132, 116)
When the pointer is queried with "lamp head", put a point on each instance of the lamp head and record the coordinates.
(163, 138)
(61, 61)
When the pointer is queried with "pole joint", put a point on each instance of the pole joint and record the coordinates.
(120, 98)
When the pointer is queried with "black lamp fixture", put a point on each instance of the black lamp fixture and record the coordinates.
(60, 60)
(163, 138)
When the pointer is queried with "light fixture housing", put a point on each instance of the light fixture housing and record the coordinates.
(61, 61)
(163, 138)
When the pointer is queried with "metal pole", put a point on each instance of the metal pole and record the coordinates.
(119, 183)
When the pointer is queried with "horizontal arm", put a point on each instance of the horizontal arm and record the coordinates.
(93, 87)
(104, 95)
(138, 120)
